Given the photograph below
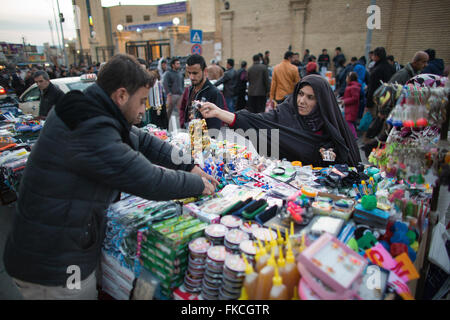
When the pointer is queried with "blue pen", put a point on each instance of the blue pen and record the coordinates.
(361, 189)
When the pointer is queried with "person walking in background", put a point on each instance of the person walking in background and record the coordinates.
(213, 71)
(258, 86)
(229, 81)
(284, 78)
(435, 66)
(241, 87)
(338, 60)
(324, 60)
(351, 101)
(394, 63)
(412, 69)
(266, 59)
(306, 56)
(173, 85)
(50, 94)
(381, 72)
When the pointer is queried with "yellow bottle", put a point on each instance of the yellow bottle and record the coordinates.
(278, 290)
(250, 281)
(263, 257)
(295, 294)
(244, 295)
(280, 239)
(273, 244)
(265, 276)
(281, 262)
(291, 275)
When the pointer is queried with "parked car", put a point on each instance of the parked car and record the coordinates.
(29, 100)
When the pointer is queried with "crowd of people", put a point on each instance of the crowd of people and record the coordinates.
(261, 87)
(17, 80)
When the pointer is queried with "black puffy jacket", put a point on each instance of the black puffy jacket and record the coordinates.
(85, 154)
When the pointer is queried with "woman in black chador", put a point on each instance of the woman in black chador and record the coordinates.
(311, 126)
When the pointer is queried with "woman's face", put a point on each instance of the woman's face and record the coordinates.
(306, 100)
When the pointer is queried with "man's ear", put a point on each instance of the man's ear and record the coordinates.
(120, 96)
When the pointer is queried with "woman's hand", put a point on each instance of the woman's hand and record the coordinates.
(209, 110)
(327, 154)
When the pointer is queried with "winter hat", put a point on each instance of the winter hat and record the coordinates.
(311, 67)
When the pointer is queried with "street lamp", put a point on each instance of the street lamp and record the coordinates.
(120, 29)
(176, 21)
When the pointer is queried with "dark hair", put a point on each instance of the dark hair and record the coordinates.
(380, 52)
(230, 62)
(243, 64)
(391, 57)
(353, 76)
(338, 48)
(354, 59)
(261, 55)
(324, 50)
(123, 71)
(267, 52)
(256, 57)
(431, 53)
(288, 54)
(172, 62)
(41, 73)
(371, 52)
(311, 58)
(142, 61)
(363, 59)
(196, 59)
(307, 50)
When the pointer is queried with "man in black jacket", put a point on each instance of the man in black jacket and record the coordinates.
(50, 94)
(258, 86)
(201, 88)
(229, 80)
(381, 72)
(87, 153)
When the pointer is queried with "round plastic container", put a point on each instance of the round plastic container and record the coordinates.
(248, 227)
(263, 234)
(216, 233)
(231, 222)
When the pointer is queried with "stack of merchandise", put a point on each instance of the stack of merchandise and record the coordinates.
(165, 249)
(213, 273)
(127, 222)
(198, 249)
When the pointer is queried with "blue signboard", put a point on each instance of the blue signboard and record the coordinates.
(196, 36)
(155, 25)
(171, 8)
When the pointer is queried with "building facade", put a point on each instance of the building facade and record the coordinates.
(240, 28)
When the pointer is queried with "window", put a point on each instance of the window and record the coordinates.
(32, 95)
(78, 85)
(147, 18)
(129, 19)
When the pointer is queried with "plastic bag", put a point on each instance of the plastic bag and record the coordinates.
(365, 122)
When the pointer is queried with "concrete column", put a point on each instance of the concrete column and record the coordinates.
(227, 34)
(298, 11)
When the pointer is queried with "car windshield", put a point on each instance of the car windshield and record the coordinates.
(78, 85)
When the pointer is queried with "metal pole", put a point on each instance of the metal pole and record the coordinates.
(56, 26)
(369, 37)
(78, 27)
(51, 32)
(62, 34)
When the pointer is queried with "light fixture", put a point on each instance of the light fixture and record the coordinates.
(138, 30)
(176, 21)
(160, 28)
(66, 45)
(119, 27)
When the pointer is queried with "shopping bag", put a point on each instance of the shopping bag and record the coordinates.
(365, 122)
